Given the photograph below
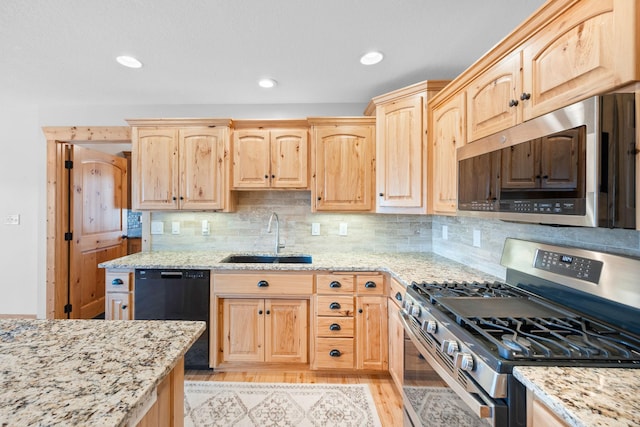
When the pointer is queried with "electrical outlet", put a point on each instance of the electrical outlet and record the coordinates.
(315, 228)
(175, 227)
(206, 230)
(12, 219)
(476, 238)
(157, 227)
(445, 232)
(343, 229)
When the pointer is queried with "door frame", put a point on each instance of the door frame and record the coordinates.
(57, 209)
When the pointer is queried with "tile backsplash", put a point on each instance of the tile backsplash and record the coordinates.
(471, 241)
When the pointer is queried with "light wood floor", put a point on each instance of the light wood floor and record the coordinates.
(385, 394)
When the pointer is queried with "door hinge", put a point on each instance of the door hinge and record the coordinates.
(68, 164)
(68, 236)
(68, 308)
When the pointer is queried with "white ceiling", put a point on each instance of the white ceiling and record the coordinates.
(62, 52)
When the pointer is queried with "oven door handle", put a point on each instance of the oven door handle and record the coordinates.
(486, 410)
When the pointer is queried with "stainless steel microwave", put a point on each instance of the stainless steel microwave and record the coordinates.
(574, 166)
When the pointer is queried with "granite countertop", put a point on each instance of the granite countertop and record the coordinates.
(85, 372)
(592, 397)
(405, 267)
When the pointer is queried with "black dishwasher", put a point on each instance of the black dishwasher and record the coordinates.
(176, 295)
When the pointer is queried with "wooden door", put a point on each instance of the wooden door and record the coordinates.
(448, 135)
(399, 153)
(98, 198)
(493, 99)
(243, 330)
(286, 330)
(202, 153)
(289, 158)
(155, 160)
(251, 163)
(371, 333)
(343, 168)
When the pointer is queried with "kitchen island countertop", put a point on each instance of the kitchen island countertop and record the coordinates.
(586, 397)
(405, 267)
(85, 372)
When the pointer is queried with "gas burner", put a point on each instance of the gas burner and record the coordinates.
(516, 343)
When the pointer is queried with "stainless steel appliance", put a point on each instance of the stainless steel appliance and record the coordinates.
(559, 306)
(574, 166)
(176, 295)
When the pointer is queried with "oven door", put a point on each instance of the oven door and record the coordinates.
(427, 387)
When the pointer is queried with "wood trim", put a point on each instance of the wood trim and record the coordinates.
(338, 121)
(214, 122)
(414, 89)
(56, 217)
(270, 123)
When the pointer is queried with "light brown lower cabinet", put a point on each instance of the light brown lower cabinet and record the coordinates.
(118, 294)
(168, 409)
(396, 345)
(540, 415)
(264, 330)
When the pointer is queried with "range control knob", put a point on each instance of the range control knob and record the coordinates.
(432, 326)
(450, 347)
(415, 311)
(466, 362)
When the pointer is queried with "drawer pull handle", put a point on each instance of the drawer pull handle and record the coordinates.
(398, 296)
(334, 327)
(335, 284)
(263, 284)
(335, 353)
(117, 281)
(124, 307)
(370, 284)
(334, 306)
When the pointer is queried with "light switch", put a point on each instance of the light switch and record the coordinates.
(175, 227)
(476, 238)
(206, 230)
(157, 227)
(445, 232)
(315, 228)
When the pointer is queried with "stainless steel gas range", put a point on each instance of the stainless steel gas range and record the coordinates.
(560, 306)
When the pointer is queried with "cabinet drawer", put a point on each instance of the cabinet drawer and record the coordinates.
(334, 283)
(334, 353)
(334, 305)
(335, 327)
(396, 292)
(263, 284)
(118, 281)
(370, 284)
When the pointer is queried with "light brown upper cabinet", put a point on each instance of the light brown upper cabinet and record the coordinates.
(581, 49)
(266, 156)
(449, 133)
(401, 147)
(342, 164)
(181, 164)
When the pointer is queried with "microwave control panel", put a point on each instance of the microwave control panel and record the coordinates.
(569, 265)
(552, 206)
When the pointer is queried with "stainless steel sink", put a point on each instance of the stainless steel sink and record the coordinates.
(268, 259)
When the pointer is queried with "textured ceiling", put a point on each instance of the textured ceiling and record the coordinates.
(61, 52)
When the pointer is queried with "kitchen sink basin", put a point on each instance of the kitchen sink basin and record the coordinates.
(268, 259)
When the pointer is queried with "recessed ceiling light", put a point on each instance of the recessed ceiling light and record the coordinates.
(371, 58)
(267, 83)
(129, 61)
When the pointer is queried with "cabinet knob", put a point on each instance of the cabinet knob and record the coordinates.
(525, 96)
(360, 310)
(335, 284)
(370, 284)
(334, 306)
(335, 353)
(513, 103)
(268, 312)
(381, 194)
(273, 176)
(124, 307)
(259, 311)
(334, 327)
(174, 198)
(181, 198)
(266, 177)
(117, 282)
(319, 198)
(263, 284)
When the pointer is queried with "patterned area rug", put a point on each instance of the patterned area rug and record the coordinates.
(441, 407)
(212, 403)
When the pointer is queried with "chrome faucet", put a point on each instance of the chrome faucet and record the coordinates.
(278, 245)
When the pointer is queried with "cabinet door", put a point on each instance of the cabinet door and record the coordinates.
(396, 346)
(492, 98)
(343, 168)
(251, 164)
(155, 159)
(448, 135)
(289, 158)
(243, 330)
(371, 333)
(202, 156)
(580, 55)
(286, 330)
(399, 153)
(119, 306)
